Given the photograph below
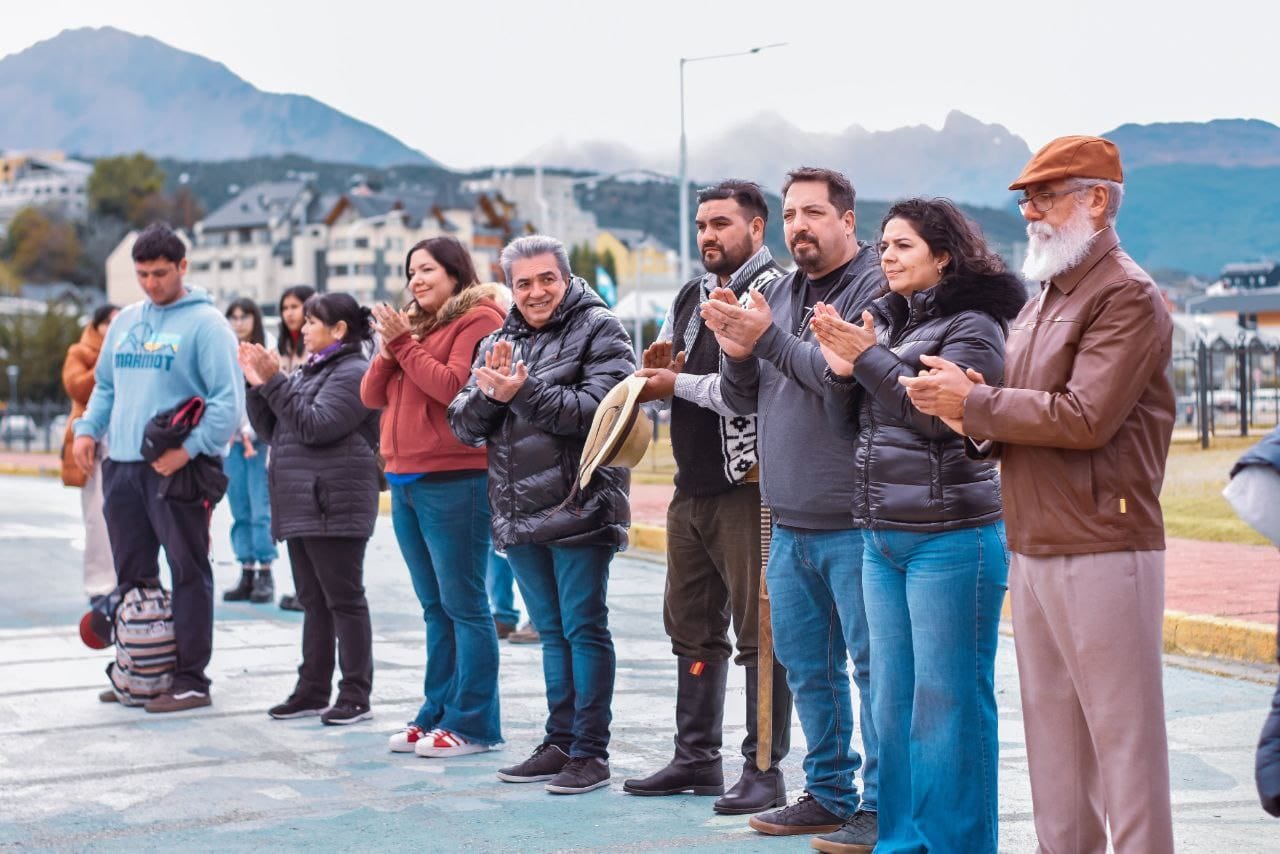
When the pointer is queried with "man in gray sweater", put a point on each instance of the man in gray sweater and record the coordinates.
(774, 367)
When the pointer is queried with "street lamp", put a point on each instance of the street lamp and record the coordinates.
(683, 180)
(12, 371)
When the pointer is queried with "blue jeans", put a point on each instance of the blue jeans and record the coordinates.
(933, 608)
(250, 504)
(564, 591)
(815, 592)
(443, 531)
(499, 583)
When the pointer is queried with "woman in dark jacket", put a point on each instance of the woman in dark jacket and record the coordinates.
(533, 392)
(935, 563)
(324, 498)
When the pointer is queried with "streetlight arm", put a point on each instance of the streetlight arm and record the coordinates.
(683, 179)
(685, 59)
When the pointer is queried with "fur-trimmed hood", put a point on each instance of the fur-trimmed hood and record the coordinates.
(1000, 295)
(460, 303)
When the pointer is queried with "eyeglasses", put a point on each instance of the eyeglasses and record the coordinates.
(1043, 202)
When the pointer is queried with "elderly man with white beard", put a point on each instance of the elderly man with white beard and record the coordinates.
(1082, 427)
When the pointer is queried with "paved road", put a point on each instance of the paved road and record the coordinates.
(77, 774)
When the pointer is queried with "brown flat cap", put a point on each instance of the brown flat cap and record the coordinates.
(1072, 157)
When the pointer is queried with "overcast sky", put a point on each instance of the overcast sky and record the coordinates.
(479, 83)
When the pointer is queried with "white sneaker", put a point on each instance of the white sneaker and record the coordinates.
(441, 743)
(406, 739)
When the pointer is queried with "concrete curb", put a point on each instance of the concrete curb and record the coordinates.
(53, 470)
(1184, 634)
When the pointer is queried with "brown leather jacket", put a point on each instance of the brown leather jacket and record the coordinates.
(1086, 416)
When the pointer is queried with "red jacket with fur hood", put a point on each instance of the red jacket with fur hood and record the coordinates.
(414, 390)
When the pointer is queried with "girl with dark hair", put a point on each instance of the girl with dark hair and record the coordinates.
(439, 503)
(289, 342)
(935, 559)
(247, 492)
(324, 498)
(78, 380)
(292, 355)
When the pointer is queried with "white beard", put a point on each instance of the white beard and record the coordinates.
(1052, 252)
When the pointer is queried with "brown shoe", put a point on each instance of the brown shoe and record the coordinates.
(504, 629)
(108, 696)
(525, 634)
(179, 701)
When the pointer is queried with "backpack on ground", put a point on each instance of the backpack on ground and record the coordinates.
(146, 653)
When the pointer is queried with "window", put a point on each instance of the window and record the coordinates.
(200, 267)
(339, 270)
(362, 243)
(248, 263)
(226, 264)
(340, 243)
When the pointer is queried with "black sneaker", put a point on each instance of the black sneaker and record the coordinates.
(580, 774)
(544, 763)
(805, 816)
(345, 712)
(289, 602)
(297, 707)
(858, 835)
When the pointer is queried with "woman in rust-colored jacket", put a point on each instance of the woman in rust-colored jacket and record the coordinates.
(77, 379)
(439, 492)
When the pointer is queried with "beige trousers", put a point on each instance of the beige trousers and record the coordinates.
(1088, 634)
(99, 568)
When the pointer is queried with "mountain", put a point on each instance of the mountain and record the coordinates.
(1199, 195)
(1221, 142)
(967, 160)
(1198, 217)
(104, 91)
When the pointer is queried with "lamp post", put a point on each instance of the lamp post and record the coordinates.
(683, 180)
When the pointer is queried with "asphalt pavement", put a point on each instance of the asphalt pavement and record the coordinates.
(77, 774)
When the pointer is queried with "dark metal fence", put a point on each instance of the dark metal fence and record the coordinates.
(33, 426)
(1227, 386)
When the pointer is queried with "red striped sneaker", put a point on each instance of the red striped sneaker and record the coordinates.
(406, 739)
(442, 742)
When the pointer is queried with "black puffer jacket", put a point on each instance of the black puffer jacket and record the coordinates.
(912, 471)
(322, 473)
(535, 442)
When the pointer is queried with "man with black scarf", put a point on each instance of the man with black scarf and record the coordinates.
(713, 521)
(774, 368)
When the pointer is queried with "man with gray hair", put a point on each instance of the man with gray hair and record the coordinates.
(534, 391)
(1083, 427)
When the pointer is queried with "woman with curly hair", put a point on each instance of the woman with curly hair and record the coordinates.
(935, 559)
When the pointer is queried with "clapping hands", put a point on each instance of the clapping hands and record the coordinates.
(497, 379)
(841, 342)
(258, 363)
(390, 325)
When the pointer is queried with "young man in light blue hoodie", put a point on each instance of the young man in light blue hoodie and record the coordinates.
(160, 352)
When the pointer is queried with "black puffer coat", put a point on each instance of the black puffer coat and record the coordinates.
(912, 471)
(322, 473)
(535, 442)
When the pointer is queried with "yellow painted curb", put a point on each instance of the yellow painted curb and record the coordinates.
(648, 538)
(1184, 634)
(1220, 637)
(30, 471)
